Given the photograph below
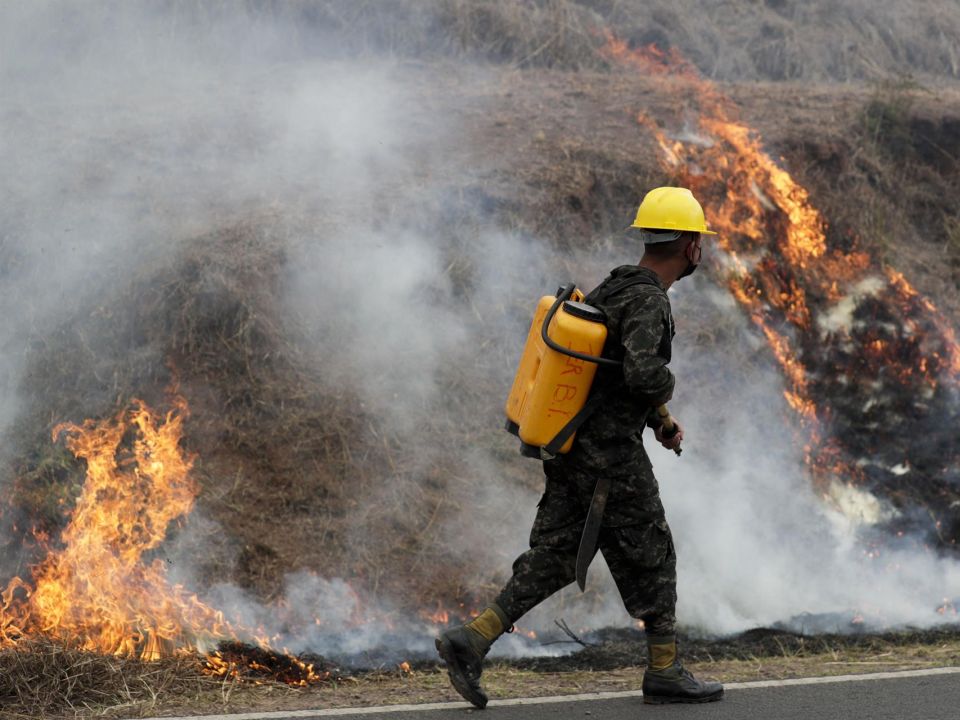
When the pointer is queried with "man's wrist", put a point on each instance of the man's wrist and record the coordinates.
(653, 418)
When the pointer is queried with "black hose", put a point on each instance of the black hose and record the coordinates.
(565, 293)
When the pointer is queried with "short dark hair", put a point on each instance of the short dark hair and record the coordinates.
(669, 249)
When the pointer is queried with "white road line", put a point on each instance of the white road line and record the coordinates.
(336, 712)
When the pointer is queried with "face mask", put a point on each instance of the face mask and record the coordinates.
(689, 270)
(691, 266)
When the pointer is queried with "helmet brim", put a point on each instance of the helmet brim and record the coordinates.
(631, 230)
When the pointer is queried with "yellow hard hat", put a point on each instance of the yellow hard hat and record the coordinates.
(671, 208)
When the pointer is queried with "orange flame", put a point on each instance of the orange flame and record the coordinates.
(776, 250)
(440, 617)
(97, 591)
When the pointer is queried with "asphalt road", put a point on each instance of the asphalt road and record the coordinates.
(926, 698)
(894, 697)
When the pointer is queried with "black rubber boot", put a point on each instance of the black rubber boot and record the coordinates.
(464, 647)
(463, 650)
(675, 684)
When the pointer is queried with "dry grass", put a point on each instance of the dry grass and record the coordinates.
(886, 174)
(809, 41)
(774, 40)
(45, 680)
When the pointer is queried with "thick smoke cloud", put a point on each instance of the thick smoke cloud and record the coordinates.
(128, 129)
(133, 128)
(756, 544)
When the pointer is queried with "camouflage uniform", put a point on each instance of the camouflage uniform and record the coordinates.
(635, 539)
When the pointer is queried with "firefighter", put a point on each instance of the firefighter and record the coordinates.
(634, 536)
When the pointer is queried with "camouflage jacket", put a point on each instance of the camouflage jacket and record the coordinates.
(640, 330)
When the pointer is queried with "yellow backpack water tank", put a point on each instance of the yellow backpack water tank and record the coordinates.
(551, 387)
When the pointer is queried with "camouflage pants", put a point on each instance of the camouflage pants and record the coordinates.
(635, 541)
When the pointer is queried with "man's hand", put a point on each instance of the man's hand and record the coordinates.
(672, 442)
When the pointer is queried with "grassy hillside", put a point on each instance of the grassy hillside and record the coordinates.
(289, 462)
(344, 321)
(735, 40)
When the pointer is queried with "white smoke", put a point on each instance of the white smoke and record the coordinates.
(125, 131)
(756, 545)
(130, 128)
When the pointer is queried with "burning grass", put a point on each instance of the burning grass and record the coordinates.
(248, 662)
(48, 680)
(791, 273)
(95, 588)
(213, 315)
(41, 678)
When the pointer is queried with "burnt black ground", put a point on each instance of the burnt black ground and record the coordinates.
(613, 648)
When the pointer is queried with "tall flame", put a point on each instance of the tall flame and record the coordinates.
(808, 296)
(97, 590)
